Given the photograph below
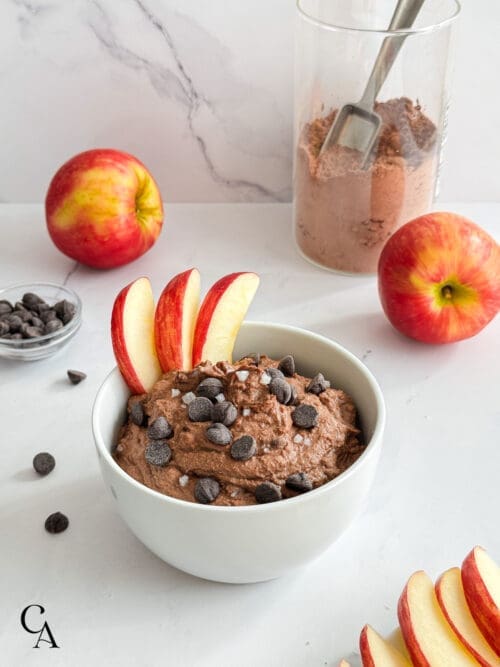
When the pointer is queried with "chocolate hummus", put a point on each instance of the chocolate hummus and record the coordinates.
(237, 434)
(344, 213)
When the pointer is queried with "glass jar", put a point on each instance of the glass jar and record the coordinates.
(344, 209)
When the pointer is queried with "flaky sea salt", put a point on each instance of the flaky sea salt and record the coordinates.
(298, 439)
(265, 378)
(235, 493)
(188, 398)
(242, 375)
(175, 392)
(220, 398)
(266, 450)
(183, 480)
(246, 412)
(307, 441)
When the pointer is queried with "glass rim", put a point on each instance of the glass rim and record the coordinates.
(377, 31)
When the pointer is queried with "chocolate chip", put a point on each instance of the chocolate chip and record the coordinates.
(23, 314)
(299, 482)
(30, 300)
(48, 315)
(137, 414)
(225, 412)
(37, 322)
(267, 492)
(14, 323)
(32, 332)
(305, 416)
(56, 523)
(243, 448)
(293, 398)
(209, 388)
(44, 463)
(41, 307)
(287, 366)
(219, 434)
(206, 490)
(19, 305)
(318, 384)
(274, 372)
(75, 377)
(254, 356)
(53, 325)
(200, 409)
(65, 310)
(281, 389)
(4, 328)
(158, 453)
(5, 307)
(160, 429)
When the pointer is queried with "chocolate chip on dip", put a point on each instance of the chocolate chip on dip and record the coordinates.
(267, 492)
(206, 490)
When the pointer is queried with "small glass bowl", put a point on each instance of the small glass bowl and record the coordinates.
(43, 346)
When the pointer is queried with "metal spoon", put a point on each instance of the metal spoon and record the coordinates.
(357, 126)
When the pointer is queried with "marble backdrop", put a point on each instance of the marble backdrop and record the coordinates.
(200, 90)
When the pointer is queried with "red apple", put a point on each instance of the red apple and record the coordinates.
(221, 315)
(132, 336)
(377, 652)
(451, 598)
(439, 278)
(103, 208)
(481, 582)
(175, 320)
(429, 639)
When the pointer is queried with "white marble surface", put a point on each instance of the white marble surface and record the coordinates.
(111, 602)
(201, 91)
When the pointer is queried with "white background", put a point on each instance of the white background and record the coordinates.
(201, 92)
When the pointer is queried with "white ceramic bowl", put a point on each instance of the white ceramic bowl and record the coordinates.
(257, 542)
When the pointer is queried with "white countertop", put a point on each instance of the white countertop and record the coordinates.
(108, 600)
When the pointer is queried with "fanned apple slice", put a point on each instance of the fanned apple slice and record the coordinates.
(221, 315)
(481, 582)
(429, 639)
(451, 598)
(378, 652)
(132, 336)
(175, 320)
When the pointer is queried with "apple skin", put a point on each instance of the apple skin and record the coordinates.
(103, 208)
(482, 606)
(377, 652)
(132, 336)
(175, 320)
(439, 278)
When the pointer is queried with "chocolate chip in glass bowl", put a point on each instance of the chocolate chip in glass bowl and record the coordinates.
(160, 429)
(200, 409)
(287, 366)
(5, 307)
(244, 448)
(158, 453)
(4, 328)
(299, 482)
(15, 323)
(32, 332)
(206, 490)
(225, 413)
(219, 434)
(53, 325)
(137, 414)
(48, 315)
(56, 523)
(43, 463)
(267, 492)
(305, 416)
(24, 315)
(30, 300)
(209, 388)
(37, 322)
(318, 384)
(281, 389)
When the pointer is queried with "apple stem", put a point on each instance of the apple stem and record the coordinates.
(447, 291)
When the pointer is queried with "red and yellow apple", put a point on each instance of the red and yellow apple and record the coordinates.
(132, 336)
(175, 320)
(451, 598)
(221, 315)
(481, 582)
(439, 278)
(378, 652)
(429, 639)
(103, 208)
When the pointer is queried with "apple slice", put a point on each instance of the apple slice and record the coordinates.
(221, 315)
(451, 598)
(132, 336)
(481, 582)
(429, 639)
(377, 652)
(175, 319)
